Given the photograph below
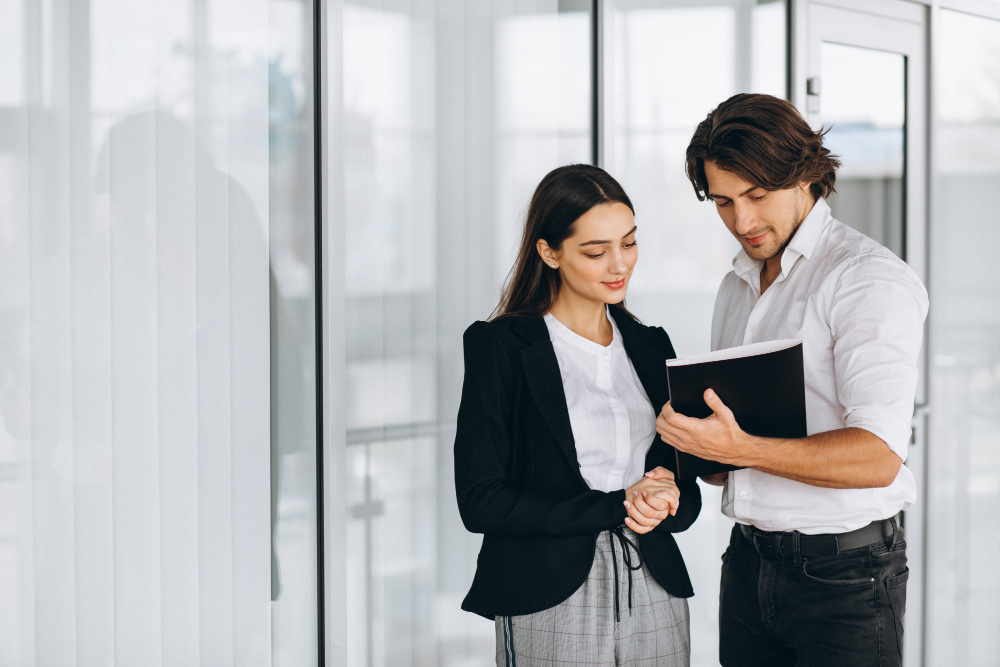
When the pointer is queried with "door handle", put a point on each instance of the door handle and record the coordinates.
(813, 88)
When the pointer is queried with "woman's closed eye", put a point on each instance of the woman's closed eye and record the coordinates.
(625, 246)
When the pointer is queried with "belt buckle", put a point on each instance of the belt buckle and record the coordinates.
(821, 545)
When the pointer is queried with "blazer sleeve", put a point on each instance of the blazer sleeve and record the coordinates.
(663, 454)
(488, 500)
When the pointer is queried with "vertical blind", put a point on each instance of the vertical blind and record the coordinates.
(134, 333)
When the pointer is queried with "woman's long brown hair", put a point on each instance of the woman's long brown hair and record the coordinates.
(563, 196)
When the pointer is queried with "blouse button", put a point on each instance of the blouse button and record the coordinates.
(743, 494)
(607, 353)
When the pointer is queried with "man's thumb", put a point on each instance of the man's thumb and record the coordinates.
(713, 401)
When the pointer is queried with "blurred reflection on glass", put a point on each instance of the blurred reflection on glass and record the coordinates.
(293, 352)
(452, 114)
(864, 105)
(685, 250)
(150, 153)
(963, 504)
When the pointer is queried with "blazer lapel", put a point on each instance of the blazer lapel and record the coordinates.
(649, 366)
(541, 372)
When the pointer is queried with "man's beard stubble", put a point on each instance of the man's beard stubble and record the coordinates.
(780, 246)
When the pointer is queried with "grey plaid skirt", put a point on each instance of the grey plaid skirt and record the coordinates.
(650, 630)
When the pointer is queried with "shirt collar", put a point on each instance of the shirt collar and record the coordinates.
(807, 236)
(803, 243)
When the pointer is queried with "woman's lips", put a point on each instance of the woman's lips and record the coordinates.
(618, 284)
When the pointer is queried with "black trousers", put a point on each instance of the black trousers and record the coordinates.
(832, 610)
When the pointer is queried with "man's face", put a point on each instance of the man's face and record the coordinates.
(762, 221)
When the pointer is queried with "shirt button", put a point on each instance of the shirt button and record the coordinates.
(753, 329)
(607, 353)
(743, 494)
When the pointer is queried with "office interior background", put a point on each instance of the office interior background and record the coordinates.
(240, 242)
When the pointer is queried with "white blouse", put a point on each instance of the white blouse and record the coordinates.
(613, 421)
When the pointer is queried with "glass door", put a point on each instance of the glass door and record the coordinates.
(859, 72)
(963, 494)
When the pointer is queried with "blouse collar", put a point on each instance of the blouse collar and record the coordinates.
(557, 328)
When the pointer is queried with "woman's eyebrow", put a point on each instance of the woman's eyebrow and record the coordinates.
(604, 242)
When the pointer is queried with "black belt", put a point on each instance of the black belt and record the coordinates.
(779, 545)
(627, 559)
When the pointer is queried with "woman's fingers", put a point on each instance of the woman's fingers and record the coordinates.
(642, 504)
(654, 501)
(669, 494)
(651, 499)
(659, 472)
(638, 517)
(636, 528)
(657, 485)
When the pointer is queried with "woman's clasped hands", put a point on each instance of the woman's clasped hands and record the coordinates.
(651, 500)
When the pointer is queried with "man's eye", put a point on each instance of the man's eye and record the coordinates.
(723, 204)
(759, 198)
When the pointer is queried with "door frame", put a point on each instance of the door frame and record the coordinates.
(900, 27)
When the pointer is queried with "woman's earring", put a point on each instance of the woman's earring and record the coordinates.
(552, 265)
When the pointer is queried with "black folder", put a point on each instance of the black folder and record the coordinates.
(763, 384)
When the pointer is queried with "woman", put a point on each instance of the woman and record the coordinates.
(557, 460)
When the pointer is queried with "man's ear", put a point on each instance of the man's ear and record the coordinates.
(547, 254)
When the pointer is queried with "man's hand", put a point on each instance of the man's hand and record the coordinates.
(716, 438)
(845, 458)
(651, 500)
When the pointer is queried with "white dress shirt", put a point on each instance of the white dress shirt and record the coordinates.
(859, 311)
(613, 421)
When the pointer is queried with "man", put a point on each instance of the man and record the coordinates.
(815, 573)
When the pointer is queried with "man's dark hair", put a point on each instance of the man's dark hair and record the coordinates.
(765, 141)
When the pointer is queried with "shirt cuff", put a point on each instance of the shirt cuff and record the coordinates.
(887, 425)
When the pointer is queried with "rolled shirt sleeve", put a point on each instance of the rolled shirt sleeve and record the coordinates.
(876, 320)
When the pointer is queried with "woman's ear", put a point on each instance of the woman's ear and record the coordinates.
(547, 254)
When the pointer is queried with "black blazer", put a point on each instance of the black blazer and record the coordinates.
(518, 478)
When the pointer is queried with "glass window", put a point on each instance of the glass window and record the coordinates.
(453, 112)
(156, 262)
(963, 503)
(291, 203)
(864, 108)
(667, 81)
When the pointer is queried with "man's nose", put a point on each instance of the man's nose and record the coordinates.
(745, 220)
